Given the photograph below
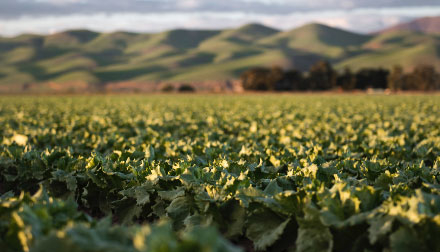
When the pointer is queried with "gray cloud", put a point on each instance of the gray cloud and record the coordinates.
(47, 16)
(17, 8)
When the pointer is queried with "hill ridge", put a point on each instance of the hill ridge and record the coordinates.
(200, 55)
(425, 25)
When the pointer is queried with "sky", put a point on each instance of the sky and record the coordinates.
(51, 16)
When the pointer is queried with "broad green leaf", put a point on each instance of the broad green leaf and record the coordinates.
(313, 235)
(405, 239)
(264, 228)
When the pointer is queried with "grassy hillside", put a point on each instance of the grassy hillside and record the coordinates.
(397, 48)
(425, 25)
(92, 58)
(317, 39)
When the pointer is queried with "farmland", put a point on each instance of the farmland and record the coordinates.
(220, 173)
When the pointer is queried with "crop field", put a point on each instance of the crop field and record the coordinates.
(220, 173)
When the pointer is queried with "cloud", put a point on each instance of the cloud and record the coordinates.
(45, 16)
(361, 20)
(61, 2)
(17, 8)
(188, 4)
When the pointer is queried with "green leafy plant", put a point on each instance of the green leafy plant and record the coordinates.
(234, 173)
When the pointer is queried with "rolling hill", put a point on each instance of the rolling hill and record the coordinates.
(317, 39)
(405, 48)
(81, 59)
(425, 25)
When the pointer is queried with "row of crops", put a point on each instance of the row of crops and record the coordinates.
(220, 173)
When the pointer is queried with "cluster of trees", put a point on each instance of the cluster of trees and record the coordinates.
(322, 76)
(183, 88)
(422, 78)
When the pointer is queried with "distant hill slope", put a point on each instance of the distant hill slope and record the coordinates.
(82, 58)
(317, 39)
(425, 25)
(405, 48)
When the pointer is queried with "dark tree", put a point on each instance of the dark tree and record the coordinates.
(168, 88)
(426, 78)
(372, 78)
(262, 78)
(396, 79)
(322, 76)
(186, 88)
(409, 82)
(275, 77)
(255, 79)
(346, 80)
(292, 80)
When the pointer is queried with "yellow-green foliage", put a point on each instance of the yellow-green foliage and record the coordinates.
(201, 173)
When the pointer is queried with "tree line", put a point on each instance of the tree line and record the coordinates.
(322, 76)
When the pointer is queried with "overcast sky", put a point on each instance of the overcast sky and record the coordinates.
(49, 16)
